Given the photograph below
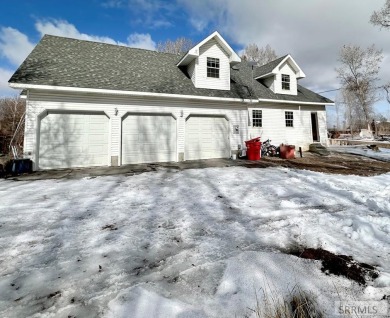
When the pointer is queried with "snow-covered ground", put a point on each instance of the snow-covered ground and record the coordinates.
(383, 153)
(194, 243)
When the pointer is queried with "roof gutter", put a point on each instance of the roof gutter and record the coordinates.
(124, 93)
(292, 102)
(148, 94)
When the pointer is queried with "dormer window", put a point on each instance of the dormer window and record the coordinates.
(212, 67)
(285, 82)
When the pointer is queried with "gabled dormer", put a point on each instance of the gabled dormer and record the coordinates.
(208, 63)
(280, 75)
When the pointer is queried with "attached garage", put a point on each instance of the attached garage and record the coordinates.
(73, 140)
(148, 138)
(206, 137)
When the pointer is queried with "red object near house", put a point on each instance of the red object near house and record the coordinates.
(253, 148)
(287, 152)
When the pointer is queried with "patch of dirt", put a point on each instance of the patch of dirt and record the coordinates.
(340, 265)
(147, 265)
(111, 227)
(56, 293)
(335, 163)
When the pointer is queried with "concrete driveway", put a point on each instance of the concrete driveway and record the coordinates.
(337, 163)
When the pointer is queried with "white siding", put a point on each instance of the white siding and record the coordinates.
(32, 112)
(273, 128)
(288, 70)
(115, 133)
(274, 125)
(212, 49)
(39, 102)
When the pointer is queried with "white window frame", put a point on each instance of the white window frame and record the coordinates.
(286, 82)
(257, 121)
(213, 67)
(289, 118)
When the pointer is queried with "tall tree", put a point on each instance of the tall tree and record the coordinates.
(352, 111)
(262, 55)
(382, 16)
(358, 75)
(180, 45)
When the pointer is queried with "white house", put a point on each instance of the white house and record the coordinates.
(96, 104)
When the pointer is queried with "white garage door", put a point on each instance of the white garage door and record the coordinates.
(148, 138)
(207, 137)
(73, 140)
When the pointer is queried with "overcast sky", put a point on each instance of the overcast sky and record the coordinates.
(312, 31)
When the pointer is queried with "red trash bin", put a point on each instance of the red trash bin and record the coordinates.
(253, 148)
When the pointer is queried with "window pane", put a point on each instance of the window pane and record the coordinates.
(213, 72)
(289, 116)
(212, 67)
(285, 81)
(257, 118)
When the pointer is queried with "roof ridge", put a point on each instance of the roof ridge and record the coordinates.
(273, 61)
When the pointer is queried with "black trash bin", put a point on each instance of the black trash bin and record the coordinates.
(20, 166)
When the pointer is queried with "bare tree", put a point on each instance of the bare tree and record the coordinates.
(349, 101)
(380, 118)
(180, 45)
(340, 110)
(358, 75)
(382, 17)
(260, 55)
(386, 87)
(12, 112)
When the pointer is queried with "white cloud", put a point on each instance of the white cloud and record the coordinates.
(14, 45)
(66, 29)
(141, 41)
(153, 13)
(5, 90)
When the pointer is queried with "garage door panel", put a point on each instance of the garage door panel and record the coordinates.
(207, 137)
(73, 140)
(97, 127)
(148, 138)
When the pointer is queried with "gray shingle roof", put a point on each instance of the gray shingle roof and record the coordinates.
(58, 61)
(267, 68)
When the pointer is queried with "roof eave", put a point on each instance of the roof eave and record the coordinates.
(294, 102)
(156, 95)
(295, 65)
(123, 92)
(265, 75)
(194, 52)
